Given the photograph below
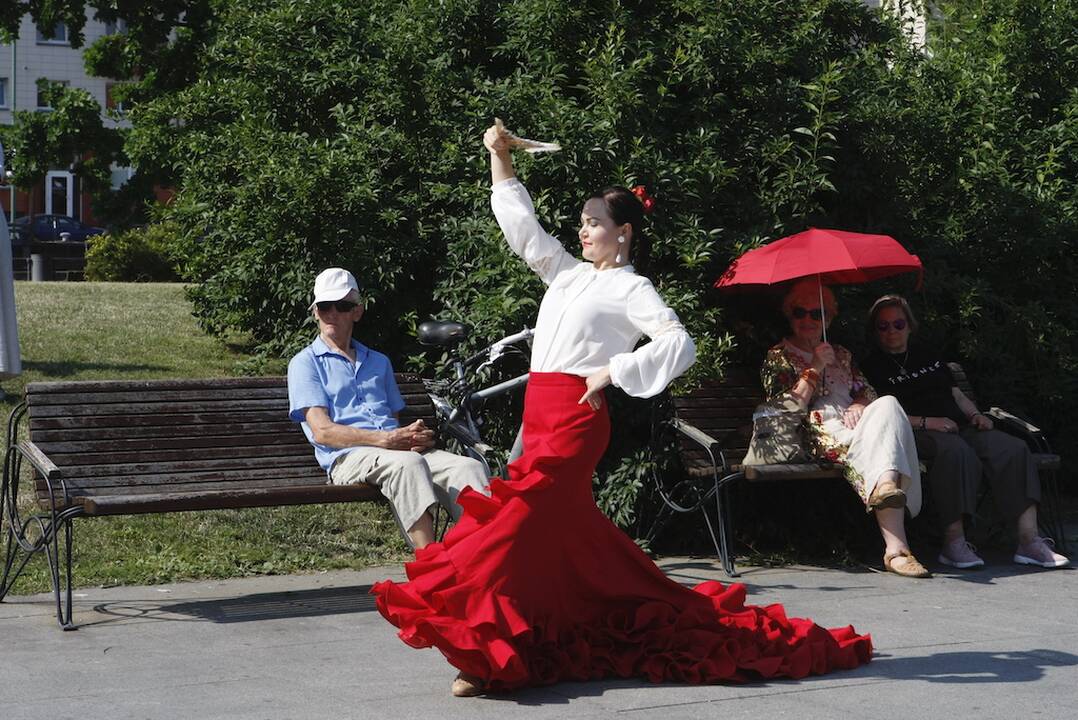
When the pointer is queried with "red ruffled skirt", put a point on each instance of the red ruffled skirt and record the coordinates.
(535, 585)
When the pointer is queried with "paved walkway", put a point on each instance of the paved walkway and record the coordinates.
(1001, 642)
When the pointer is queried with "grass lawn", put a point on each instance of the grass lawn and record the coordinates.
(112, 331)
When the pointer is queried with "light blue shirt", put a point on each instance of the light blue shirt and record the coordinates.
(363, 395)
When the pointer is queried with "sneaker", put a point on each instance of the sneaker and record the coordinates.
(1039, 552)
(960, 554)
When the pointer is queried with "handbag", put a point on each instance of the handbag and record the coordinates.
(778, 432)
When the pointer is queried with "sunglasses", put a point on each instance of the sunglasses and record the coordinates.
(342, 306)
(884, 326)
(799, 313)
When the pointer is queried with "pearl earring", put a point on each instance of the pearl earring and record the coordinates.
(621, 241)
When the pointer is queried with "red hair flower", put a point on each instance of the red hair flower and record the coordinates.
(646, 200)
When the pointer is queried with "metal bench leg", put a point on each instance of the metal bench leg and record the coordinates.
(725, 521)
(52, 552)
(18, 549)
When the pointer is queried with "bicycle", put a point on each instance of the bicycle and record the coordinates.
(457, 400)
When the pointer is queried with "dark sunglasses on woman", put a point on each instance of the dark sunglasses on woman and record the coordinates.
(884, 326)
(799, 313)
(342, 306)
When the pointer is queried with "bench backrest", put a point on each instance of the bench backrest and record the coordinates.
(178, 436)
(723, 409)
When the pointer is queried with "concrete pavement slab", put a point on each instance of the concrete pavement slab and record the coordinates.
(997, 642)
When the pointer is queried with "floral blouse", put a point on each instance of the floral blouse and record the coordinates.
(842, 386)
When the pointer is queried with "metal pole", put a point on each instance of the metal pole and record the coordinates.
(823, 312)
(14, 96)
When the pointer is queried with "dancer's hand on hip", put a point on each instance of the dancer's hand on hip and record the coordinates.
(595, 383)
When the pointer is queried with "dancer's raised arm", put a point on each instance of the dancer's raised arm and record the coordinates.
(501, 161)
(515, 212)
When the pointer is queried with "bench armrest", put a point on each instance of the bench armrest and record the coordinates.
(695, 434)
(1006, 417)
(701, 438)
(39, 460)
(1024, 429)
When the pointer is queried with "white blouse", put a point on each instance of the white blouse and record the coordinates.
(590, 318)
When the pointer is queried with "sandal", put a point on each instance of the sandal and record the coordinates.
(891, 497)
(911, 568)
(467, 686)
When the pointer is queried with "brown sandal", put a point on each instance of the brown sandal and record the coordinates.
(894, 497)
(911, 568)
(467, 686)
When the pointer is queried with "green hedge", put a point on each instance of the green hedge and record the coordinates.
(330, 132)
(136, 255)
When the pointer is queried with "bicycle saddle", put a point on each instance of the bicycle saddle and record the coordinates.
(441, 332)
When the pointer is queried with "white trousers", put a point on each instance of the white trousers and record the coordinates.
(882, 441)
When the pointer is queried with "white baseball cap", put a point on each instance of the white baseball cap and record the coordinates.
(333, 284)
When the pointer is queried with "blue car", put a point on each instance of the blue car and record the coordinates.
(37, 228)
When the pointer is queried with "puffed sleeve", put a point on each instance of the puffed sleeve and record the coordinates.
(647, 371)
(515, 213)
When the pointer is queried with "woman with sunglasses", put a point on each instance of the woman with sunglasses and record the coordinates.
(956, 440)
(846, 422)
(535, 584)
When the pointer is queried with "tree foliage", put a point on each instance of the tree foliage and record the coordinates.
(304, 133)
(153, 54)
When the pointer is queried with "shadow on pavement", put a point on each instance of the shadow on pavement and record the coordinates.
(249, 608)
(972, 667)
(958, 668)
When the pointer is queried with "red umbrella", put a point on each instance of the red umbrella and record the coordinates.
(836, 256)
(833, 256)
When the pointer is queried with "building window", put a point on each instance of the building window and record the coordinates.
(43, 84)
(3, 93)
(114, 27)
(56, 36)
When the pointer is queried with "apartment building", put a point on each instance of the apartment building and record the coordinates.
(38, 56)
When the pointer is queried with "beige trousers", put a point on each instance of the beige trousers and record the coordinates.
(413, 483)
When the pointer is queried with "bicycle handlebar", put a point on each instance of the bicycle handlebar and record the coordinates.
(493, 351)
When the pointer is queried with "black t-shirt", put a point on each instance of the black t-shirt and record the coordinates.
(920, 381)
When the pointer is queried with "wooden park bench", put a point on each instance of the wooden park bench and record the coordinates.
(713, 425)
(157, 446)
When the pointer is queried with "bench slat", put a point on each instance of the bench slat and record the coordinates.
(166, 433)
(156, 420)
(292, 438)
(283, 452)
(223, 500)
(186, 482)
(202, 395)
(791, 472)
(143, 408)
(186, 464)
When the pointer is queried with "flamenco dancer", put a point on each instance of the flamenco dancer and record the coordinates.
(535, 585)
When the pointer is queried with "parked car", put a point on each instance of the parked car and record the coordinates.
(31, 228)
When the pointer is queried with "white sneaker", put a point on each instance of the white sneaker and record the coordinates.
(960, 554)
(1038, 551)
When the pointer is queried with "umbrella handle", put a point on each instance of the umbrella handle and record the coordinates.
(823, 312)
(823, 321)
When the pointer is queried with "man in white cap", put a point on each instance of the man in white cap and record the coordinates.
(345, 396)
